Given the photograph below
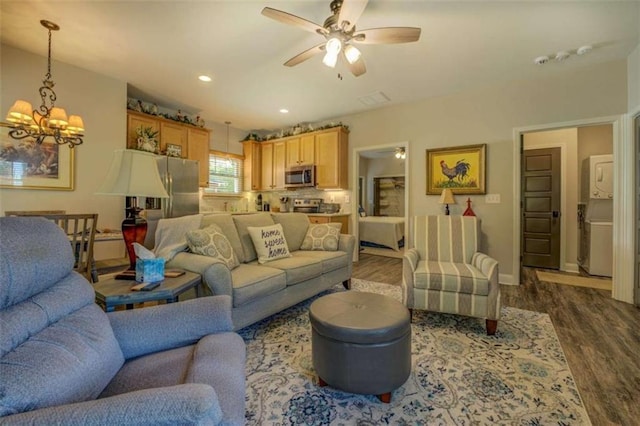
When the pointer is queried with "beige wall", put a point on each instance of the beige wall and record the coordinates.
(101, 101)
(633, 78)
(567, 140)
(489, 115)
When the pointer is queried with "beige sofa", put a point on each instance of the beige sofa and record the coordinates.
(260, 290)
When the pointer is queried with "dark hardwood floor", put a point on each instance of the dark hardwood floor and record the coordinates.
(600, 336)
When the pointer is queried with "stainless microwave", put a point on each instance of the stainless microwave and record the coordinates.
(300, 176)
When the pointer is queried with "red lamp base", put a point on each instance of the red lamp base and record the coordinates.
(134, 230)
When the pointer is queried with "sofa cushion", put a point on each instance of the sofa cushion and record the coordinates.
(244, 221)
(269, 242)
(323, 236)
(331, 260)
(295, 227)
(228, 227)
(449, 276)
(210, 241)
(253, 281)
(298, 268)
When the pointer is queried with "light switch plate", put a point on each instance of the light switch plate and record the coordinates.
(347, 199)
(492, 198)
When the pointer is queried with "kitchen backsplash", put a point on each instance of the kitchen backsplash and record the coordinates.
(212, 204)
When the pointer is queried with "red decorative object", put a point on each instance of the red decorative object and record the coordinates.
(134, 230)
(469, 210)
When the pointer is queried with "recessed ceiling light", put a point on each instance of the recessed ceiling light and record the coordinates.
(284, 110)
(205, 78)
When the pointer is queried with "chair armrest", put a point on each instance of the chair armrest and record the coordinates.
(183, 404)
(489, 267)
(409, 264)
(215, 273)
(158, 328)
(347, 244)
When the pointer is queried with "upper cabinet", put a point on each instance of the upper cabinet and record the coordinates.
(331, 157)
(198, 149)
(272, 165)
(266, 162)
(193, 142)
(252, 168)
(300, 150)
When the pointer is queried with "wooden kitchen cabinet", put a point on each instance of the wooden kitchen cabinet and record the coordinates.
(198, 149)
(273, 165)
(252, 168)
(343, 219)
(194, 141)
(135, 120)
(300, 150)
(175, 134)
(331, 157)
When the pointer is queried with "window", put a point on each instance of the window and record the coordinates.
(225, 173)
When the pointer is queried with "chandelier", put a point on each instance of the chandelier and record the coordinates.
(48, 120)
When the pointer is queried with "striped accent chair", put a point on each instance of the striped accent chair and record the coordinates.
(444, 272)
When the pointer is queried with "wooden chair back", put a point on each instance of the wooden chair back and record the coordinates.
(33, 212)
(81, 231)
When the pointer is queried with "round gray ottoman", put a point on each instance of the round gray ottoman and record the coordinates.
(361, 342)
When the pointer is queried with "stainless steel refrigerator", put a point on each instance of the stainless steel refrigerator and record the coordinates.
(180, 178)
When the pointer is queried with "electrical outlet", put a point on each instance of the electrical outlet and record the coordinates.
(347, 199)
(492, 198)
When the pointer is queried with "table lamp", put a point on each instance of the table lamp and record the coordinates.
(447, 198)
(133, 174)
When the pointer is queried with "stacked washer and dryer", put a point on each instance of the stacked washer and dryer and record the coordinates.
(595, 216)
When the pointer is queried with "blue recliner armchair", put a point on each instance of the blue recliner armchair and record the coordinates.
(64, 361)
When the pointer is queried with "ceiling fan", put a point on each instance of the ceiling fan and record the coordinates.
(340, 33)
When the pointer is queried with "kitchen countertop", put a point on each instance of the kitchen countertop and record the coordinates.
(252, 212)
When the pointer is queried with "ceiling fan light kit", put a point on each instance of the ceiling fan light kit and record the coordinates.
(340, 31)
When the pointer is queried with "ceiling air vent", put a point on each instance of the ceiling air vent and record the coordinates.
(375, 98)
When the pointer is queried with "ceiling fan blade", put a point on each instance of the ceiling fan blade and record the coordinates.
(357, 68)
(387, 35)
(350, 11)
(289, 19)
(301, 57)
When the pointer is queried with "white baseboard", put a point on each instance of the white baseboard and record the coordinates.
(506, 279)
(570, 267)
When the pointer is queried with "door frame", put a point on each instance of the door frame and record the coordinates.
(407, 190)
(623, 195)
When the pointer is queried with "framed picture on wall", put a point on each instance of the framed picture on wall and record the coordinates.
(25, 164)
(461, 169)
(174, 150)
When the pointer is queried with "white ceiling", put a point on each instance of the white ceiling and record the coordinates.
(159, 48)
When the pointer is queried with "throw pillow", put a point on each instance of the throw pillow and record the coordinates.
(324, 236)
(269, 242)
(212, 242)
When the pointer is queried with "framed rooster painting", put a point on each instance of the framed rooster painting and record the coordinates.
(461, 169)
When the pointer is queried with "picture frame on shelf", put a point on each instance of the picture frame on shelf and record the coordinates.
(24, 164)
(174, 150)
(461, 169)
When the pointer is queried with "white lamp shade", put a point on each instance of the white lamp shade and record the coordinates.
(58, 117)
(352, 54)
(135, 174)
(447, 197)
(330, 59)
(75, 124)
(20, 112)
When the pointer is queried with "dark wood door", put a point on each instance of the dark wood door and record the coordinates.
(540, 208)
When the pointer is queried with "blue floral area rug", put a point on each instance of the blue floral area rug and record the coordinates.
(460, 376)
